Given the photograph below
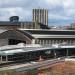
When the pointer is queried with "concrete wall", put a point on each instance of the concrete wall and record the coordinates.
(3, 42)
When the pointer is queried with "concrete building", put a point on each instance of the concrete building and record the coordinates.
(72, 26)
(40, 16)
(36, 32)
(7, 25)
(37, 36)
(40, 21)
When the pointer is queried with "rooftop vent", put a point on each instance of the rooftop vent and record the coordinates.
(14, 18)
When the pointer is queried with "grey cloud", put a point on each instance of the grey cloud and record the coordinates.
(18, 11)
(58, 9)
(19, 3)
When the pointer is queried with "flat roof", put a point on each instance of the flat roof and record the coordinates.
(32, 49)
(7, 23)
(19, 50)
(49, 32)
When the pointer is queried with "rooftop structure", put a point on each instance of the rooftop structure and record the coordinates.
(14, 19)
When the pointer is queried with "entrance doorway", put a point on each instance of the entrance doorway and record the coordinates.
(14, 42)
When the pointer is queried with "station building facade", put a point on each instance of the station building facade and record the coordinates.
(32, 36)
(37, 36)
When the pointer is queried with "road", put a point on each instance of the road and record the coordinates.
(32, 65)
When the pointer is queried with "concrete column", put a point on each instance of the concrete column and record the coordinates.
(56, 41)
(33, 41)
(70, 42)
(43, 42)
(50, 42)
(39, 42)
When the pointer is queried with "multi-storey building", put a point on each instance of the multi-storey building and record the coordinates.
(40, 16)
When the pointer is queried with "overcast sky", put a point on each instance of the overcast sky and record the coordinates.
(60, 11)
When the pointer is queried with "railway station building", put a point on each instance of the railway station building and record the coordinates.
(44, 38)
(37, 36)
(14, 32)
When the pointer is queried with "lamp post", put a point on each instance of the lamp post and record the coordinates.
(6, 57)
(67, 52)
(55, 54)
